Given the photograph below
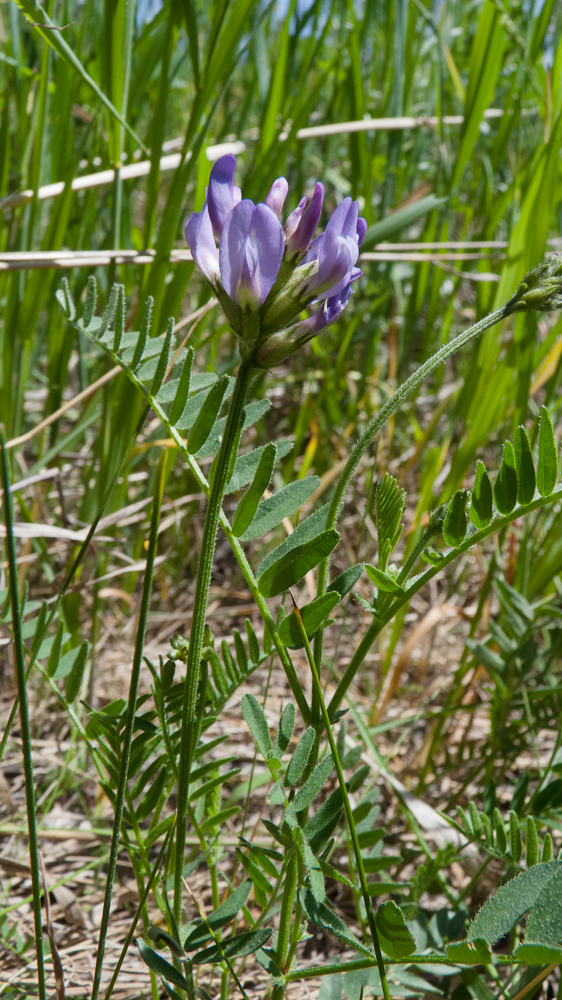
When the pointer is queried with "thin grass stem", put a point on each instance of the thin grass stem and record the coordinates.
(24, 719)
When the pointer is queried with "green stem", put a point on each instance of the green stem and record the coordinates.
(189, 730)
(472, 538)
(24, 720)
(286, 920)
(130, 722)
(378, 422)
(347, 808)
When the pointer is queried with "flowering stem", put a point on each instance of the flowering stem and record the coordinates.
(189, 729)
(378, 422)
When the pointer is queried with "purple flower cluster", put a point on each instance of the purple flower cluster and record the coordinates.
(265, 273)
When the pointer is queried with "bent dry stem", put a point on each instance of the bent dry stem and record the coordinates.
(189, 729)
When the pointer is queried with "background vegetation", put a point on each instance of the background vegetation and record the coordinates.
(92, 87)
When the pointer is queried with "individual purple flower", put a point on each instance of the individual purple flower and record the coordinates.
(275, 198)
(222, 195)
(298, 240)
(279, 346)
(336, 250)
(201, 241)
(250, 252)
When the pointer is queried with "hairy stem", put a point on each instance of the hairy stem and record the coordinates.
(189, 730)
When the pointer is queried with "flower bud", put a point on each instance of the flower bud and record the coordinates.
(540, 289)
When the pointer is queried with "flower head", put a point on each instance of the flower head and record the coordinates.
(265, 273)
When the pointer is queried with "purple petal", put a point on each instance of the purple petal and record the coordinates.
(336, 256)
(343, 221)
(223, 196)
(201, 241)
(275, 198)
(251, 251)
(336, 304)
(301, 237)
(190, 231)
(294, 218)
(361, 230)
